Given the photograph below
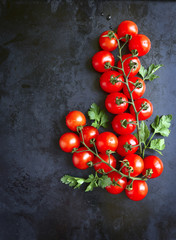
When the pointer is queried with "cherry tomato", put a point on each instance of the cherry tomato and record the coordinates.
(146, 112)
(106, 141)
(104, 166)
(75, 119)
(108, 81)
(116, 103)
(138, 89)
(114, 189)
(106, 43)
(127, 27)
(68, 141)
(82, 157)
(127, 141)
(99, 60)
(127, 63)
(141, 43)
(89, 133)
(155, 164)
(124, 123)
(139, 191)
(136, 162)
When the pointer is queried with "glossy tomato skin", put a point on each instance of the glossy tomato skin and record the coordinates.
(136, 162)
(117, 125)
(106, 43)
(144, 114)
(89, 132)
(130, 139)
(112, 106)
(80, 159)
(127, 27)
(138, 92)
(139, 191)
(106, 141)
(68, 141)
(126, 65)
(155, 164)
(104, 166)
(107, 84)
(122, 182)
(75, 119)
(141, 43)
(99, 60)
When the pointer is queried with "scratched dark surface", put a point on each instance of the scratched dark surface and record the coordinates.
(45, 72)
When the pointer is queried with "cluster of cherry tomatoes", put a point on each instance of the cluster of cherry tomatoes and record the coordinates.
(123, 123)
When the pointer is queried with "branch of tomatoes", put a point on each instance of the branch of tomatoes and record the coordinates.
(104, 144)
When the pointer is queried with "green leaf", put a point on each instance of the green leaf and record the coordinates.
(99, 116)
(142, 71)
(104, 181)
(161, 125)
(136, 135)
(144, 132)
(90, 187)
(157, 144)
(148, 74)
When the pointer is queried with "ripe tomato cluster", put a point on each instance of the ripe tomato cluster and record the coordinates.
(125, 91)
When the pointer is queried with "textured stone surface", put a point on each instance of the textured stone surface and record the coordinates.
(45, 72)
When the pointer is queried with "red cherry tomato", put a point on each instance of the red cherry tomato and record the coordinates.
(146, 112)
(68, 141)
(138, 90)
(104, 166)
(82, 157)
(106, 141)
(136, 162)
(108, 81)
(116, 103)
(99, 60)
(124, 123)
(127, 63)
(89, 133)
(153, 163)
(114, 189)
(126, 142)
(141, 43)
(75, 119)
(139, 191)
(127, 27)
(106, 43)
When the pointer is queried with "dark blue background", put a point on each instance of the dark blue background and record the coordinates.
(45, 71)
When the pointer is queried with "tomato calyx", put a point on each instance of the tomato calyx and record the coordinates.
(148, 173)
(134, 52)
(128, 147)
(107, 65)
(115, 80)
(110, 35)
(124, 123)
(133, 65)
(119, 101)
(144, 106)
